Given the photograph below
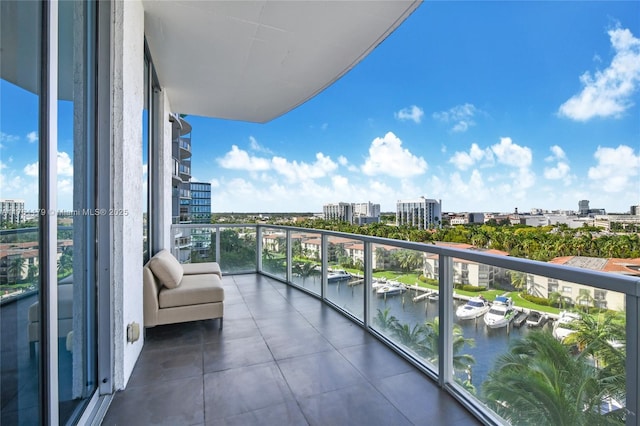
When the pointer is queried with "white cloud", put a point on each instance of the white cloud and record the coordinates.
(557, 153)
(461, 116)
(413, 113)
(615, 168)
(342, 160)
(255, 146)
(65, 166)
(295, 171)
(512, 154)
(31, 169)
(608, 93)
(388, 157)
(5, 138)
(239, 159)
(561, 170)
(32, 137)
(464, 160)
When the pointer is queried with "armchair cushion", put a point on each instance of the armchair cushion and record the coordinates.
(194, 290)
(167, 269)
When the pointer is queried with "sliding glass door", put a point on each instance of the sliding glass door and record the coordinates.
(48, 214)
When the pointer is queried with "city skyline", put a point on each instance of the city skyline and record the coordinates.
(486, 106)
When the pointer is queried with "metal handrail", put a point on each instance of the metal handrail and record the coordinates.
(628, 285)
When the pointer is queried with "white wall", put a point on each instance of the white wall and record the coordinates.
(126, 174)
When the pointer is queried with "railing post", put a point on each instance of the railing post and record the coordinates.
(325, 265)
(218, 244)
(368, 278)
(289, 257)
(633, 360)
(259, 248)
(445, 303)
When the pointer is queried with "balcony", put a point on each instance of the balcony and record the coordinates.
(185, 147)
(282, 358)
(296, 263)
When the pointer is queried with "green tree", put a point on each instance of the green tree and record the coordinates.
(539, 381)
(602, 336)
(384, 320)
(304, 270)
(16, 266)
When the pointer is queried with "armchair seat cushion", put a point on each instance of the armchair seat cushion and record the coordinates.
(193, 290)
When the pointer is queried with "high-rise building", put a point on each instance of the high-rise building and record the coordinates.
(583, 207)
(338, 211)
(200, 203)
(11, 211)
(421, 212)
(181, 172)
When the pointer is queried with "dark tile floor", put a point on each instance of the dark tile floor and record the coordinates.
(283, 358)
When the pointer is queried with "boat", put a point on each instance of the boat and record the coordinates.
(536, 319)
(434, 296)
(520, 318)
(474, 308)
(337, 275)
(562, 327)
(501, 313)
(378, 283)
(391, 290)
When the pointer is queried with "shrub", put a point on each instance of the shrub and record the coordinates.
(542, 301)
(469, 287)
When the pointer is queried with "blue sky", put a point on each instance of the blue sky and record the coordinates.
(487, 106)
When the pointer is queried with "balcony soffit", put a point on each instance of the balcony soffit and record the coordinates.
(256, 60)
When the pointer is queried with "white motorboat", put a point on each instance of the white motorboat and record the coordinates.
(378, 283)
(474, 308)
(337, 275)
(501, 313)
(562, 327)
(391, 289)
(536, 319)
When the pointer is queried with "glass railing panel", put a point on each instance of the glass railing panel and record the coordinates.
(404, 301)
(306, 266)
(345, 274)
(274, 252)
(201, 243)
(238, 249)
(539, 342)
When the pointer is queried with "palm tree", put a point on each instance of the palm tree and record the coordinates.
(430, 346)
(16, 267)
(408, 336)
(539, 381)
(381, 255)
(32, 273)
(304, 269)
(603, 337)
(385, 321)
(518, 279)
(584, 298)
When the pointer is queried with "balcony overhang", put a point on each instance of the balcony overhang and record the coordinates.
(256, 60)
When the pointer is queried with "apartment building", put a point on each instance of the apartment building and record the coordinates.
(338, 211)
(421, 212)
(11, 211)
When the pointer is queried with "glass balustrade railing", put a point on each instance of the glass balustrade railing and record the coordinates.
(516, 341)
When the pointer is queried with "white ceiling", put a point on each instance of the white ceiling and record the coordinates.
(256, 60)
